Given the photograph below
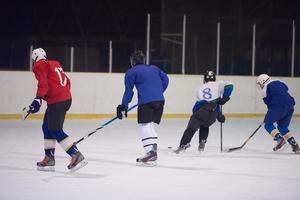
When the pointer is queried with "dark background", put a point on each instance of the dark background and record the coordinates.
(88, 26)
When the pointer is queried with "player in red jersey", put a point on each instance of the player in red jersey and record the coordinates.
(53, 87)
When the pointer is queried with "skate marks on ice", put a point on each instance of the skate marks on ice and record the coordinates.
(30, 168)
(15, 169)
(185, 168)
(259, 176)
(71, 175)
(214, 152)
(53, 175)
(162, 166)
(130, 161)
(252, 154)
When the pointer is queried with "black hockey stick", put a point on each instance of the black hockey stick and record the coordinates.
(237, 148)
(221, 132)
(102, 126)
(25, 113)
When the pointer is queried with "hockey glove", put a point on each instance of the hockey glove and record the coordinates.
(223, 100)
(35, 105)
(221, 118)
(121, 111)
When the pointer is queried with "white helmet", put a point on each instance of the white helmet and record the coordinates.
(262, 80)
(38, 54)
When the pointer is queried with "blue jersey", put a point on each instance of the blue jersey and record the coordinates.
(275, 94)
(150, 82)
(280, 104)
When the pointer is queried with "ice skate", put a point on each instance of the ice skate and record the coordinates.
(295, 146)
(280, 143)
(77, 162)
(201, 145)
(47, 164)
(149, 160)
(182, 148)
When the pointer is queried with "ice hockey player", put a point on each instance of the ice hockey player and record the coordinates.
(206, 110)
(150, 82)
(53, 87)
(280, 106)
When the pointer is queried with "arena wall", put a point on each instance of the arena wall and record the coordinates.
(97, 94)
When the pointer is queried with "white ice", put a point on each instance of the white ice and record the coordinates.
(254, 172)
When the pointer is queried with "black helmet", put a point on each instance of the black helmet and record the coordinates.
(137, 57)
(209, 76)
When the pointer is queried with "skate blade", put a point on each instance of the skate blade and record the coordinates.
(78, 166)
(146, 164)
(46, 169)
(25, 113)
(178, 151)
(283, 148)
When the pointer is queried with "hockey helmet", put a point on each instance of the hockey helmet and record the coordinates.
(38, 54)
(137, 57)
(209, 76)
(262, 80)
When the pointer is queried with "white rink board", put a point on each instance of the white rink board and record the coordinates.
(102, 92)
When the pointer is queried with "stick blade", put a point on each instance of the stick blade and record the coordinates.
(25, 113)
(232, 149)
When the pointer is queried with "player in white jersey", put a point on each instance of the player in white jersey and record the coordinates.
(206, 110)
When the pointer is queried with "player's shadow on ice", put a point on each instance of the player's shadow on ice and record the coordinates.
(69, 175)
(214, 153)
(158, 165)
(53, 175)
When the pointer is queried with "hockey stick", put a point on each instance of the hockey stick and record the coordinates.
(102, 126)
(25, 113)
(237, 148)
(221, 132)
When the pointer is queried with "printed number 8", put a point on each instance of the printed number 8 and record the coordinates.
(206, 93)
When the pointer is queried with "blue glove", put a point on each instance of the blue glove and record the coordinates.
(121, 111)
(35, 105)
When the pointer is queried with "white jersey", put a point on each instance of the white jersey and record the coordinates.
(211, 90)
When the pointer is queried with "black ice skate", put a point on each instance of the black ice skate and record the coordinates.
(149, 160)
(77, 162)
(47, 164)
(201, 145)
(182, 148)
(280, 143)
(295, 146)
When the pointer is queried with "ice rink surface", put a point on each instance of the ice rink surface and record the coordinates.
(254, 172)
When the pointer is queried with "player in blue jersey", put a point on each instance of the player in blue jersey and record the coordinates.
(206, 110)
(151, 83)
(280, 106)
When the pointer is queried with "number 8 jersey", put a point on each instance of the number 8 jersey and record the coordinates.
(53, 84)
(212, 90)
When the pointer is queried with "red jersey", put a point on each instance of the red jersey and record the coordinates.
(53, 84)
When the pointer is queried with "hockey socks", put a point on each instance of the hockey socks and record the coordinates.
(148, 136)
(50, 152)
(65, 142)
(49, 141)
(285, 132)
